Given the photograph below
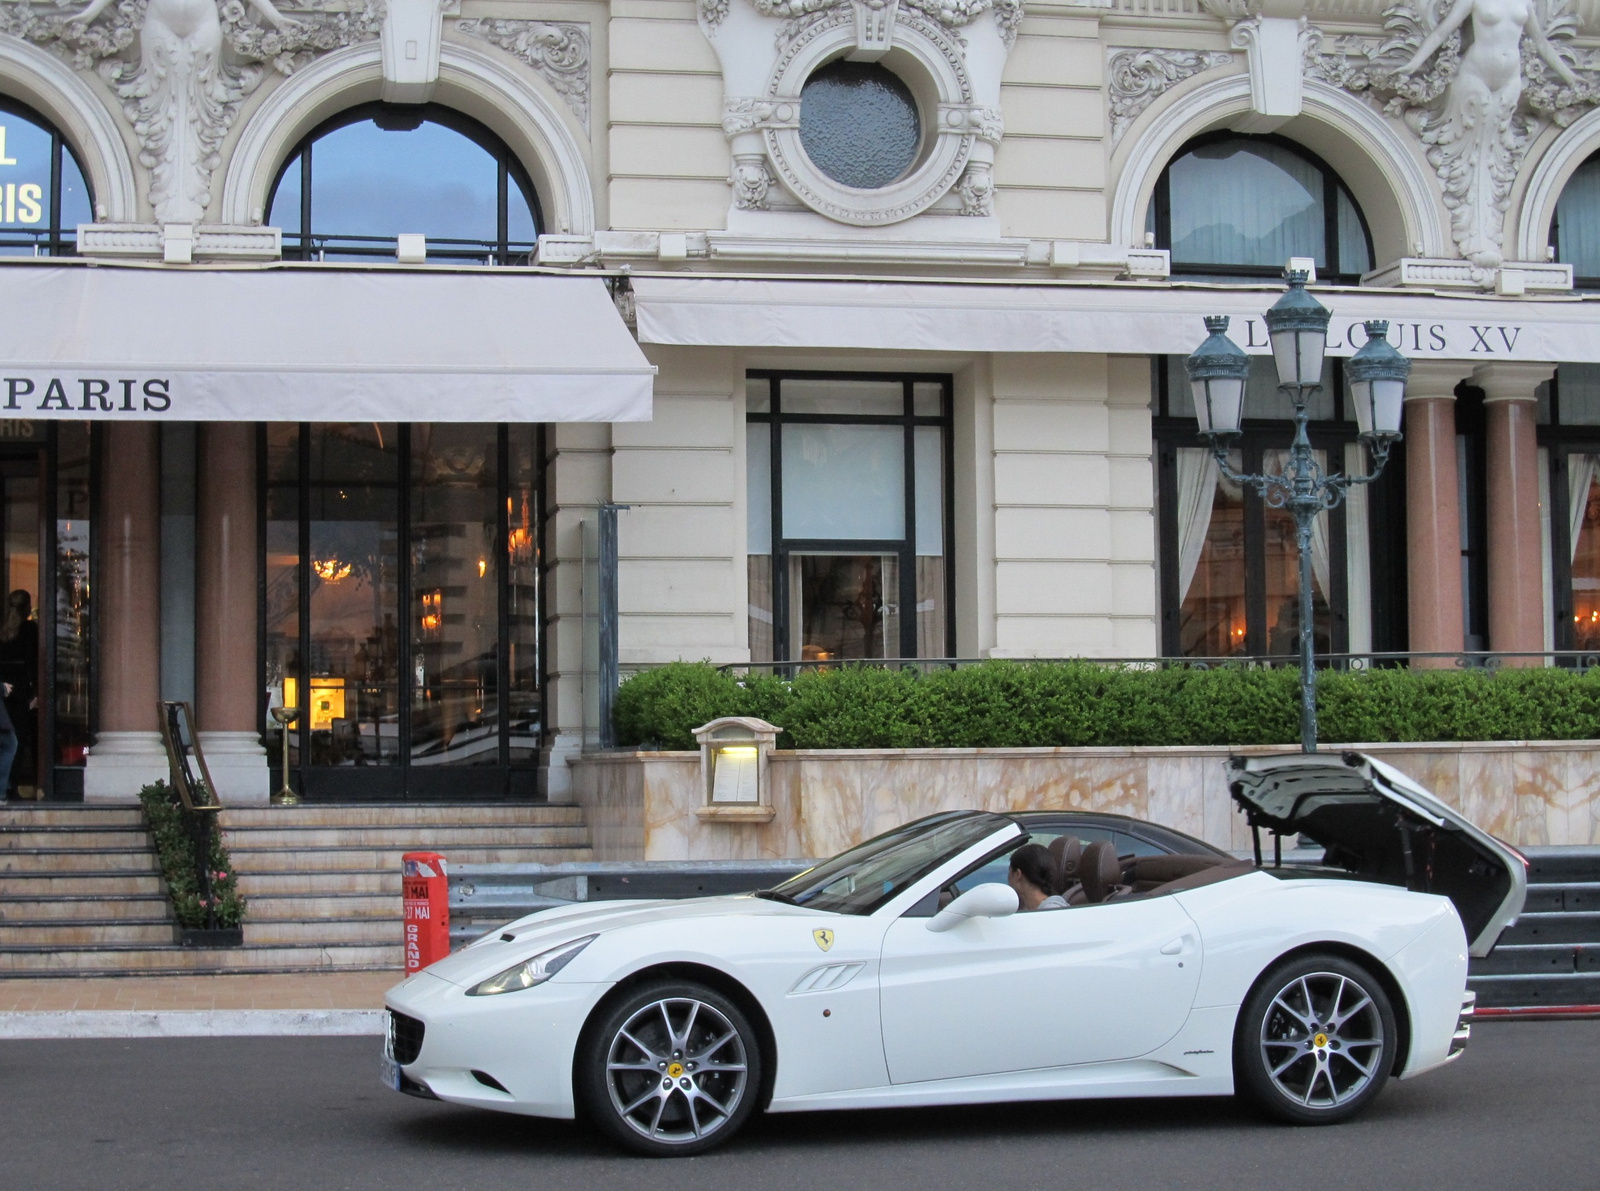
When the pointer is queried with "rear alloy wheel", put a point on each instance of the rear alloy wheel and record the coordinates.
(1316, 1040)
(671, 1069)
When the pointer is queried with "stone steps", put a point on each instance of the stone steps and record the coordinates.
(80, 891)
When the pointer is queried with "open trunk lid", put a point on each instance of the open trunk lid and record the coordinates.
(1374, 821)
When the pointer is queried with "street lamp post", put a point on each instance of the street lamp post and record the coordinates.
(1297, 326)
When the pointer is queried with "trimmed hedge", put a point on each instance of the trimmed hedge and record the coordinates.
(175, 849)
(1079, 704)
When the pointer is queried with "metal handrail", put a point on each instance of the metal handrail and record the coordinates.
(1578, 659)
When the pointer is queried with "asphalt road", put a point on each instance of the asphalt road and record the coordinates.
(1520, 1109)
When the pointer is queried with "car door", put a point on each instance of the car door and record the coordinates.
(1050, 988)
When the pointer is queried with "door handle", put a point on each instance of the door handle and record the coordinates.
(1174, 947)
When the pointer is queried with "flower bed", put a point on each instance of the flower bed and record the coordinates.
(1083, 704)
(175, 851)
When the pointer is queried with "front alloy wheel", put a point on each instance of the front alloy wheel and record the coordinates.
(673, 1069)
(1316, 1041)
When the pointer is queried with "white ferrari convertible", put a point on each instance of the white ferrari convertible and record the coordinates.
(902, 973)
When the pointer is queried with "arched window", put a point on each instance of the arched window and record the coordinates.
(1241, 206)
(1575, 231)
(43, 197)
(380, 171)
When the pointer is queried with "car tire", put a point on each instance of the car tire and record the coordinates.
(669, 1069)
(1316, 1040)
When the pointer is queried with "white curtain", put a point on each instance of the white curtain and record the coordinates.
(1197, 490)
(1358, 556)
(1273, 462)
(1580, 475)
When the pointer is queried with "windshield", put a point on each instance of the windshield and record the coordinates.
(869, 874)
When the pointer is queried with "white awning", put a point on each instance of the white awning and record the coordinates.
(309, 343)
(1114, 318)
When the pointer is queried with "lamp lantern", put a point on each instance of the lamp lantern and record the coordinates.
(1378, 383)
(1297, 325)
(1218, 370)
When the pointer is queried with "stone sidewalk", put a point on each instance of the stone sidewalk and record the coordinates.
(191, 1006)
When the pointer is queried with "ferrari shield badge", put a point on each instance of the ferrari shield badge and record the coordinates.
(824, 937)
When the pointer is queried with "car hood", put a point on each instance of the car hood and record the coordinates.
(1375, 821)
(527, 937)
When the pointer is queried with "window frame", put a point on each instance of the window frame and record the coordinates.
(905, 548)
(507, 778)
(56, 239)
(1258, 435)
(1554, 238)
(1332, 184)
(309, 244)
(1562, 441)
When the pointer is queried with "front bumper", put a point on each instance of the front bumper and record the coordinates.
(511, 1052)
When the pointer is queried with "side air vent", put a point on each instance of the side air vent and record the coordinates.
(405, 1038)
(827, 978)
(490, 1081)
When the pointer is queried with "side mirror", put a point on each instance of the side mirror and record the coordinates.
(995, 899)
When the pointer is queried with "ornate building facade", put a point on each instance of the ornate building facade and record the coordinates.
(333, 328)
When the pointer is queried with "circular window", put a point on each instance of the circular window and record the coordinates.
(859, 124)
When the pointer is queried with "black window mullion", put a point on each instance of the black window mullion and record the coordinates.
(1330, 224)
(56, 247)
(1167, 545)
(1561, 549)
(503, 213)
(1163, 203)
(948, 465)
(1338, 580)
(907, 595)
(305, 201)
(262, 698)
(780, 556)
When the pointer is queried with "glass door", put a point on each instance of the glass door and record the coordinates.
(20, 512)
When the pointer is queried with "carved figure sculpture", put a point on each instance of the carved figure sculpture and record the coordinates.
(1474, 140)
(179, 98)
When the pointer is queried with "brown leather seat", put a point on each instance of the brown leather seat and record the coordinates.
(1100, 871)
(1067, 852)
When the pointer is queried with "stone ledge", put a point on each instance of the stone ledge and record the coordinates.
(737, 814)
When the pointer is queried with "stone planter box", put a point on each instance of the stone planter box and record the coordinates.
(643, 805)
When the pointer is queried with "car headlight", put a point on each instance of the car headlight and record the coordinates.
(532, 971)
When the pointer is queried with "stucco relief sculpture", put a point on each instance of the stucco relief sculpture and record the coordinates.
(1475, 80)
(770, 48)
(1136, 78)
(559, 51)
(196, 60)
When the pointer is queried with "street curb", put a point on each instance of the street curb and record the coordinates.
(190, 1023)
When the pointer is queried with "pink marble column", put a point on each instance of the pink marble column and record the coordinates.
(226, 591)
(1516, 585)
(1433, 513)
(127, 752)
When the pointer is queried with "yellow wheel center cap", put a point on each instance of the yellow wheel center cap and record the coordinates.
(675, 1070)
(1320, 1041)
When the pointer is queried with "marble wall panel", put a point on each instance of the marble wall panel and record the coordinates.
(642, 805)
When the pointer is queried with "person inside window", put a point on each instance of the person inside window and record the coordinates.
(1033, 876)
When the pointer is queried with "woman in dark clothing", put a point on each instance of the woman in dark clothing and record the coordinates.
(19, 671)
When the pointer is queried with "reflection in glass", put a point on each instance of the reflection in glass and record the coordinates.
(524, 706)
(19, 628)
(1575, 231)
(758, 537)
(847, 606)
(282, 573)
(1239, 202)
(380, 174)
(931, 612)
(455, 576)
(37, 217)
(1584, 508)
(1211, 569)
(1262, 398)
(806, 395)
(843, 481)
(73, 609)
(353, 699)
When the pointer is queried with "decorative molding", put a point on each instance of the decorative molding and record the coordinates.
(1476, 117)
(1137, 78)
(182, 72)
(557, 50)
(1435, 273)
(210, 241)
(752, 182)
(976, 189)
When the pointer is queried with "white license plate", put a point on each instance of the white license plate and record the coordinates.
(389, 1072)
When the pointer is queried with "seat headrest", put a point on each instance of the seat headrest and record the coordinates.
(1067, 851)
(1099, 870)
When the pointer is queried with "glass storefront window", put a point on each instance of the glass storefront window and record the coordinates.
(1584, 536)
(1210, 557)
(43, 195)
(402, 567)
(1281, 564)
(73, 609)
(856, 534)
